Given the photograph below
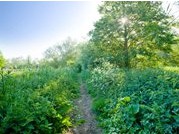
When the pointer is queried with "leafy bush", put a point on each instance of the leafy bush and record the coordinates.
(136, 101)
(37, 101)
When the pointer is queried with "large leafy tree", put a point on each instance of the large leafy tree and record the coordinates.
(129, 30)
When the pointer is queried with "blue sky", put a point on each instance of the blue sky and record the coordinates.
(29, 28)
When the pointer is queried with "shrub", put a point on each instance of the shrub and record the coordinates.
(136, 101)
(37, 101)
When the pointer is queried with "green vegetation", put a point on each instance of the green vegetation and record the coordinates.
(130, 66)
(132, 32)
(135, 101)
(2, 60)
(37, 101)
(132, 69)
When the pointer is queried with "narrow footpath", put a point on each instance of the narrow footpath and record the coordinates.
(84, 105)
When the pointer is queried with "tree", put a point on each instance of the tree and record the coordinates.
(61, 54)
(20, 62)
(129, 29)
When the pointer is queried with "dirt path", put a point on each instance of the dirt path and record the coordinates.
(84, 106)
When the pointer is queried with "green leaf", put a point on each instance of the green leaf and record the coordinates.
(59, 116)
(126, 99)
(176, 118)
(135, 108)
(67, 122)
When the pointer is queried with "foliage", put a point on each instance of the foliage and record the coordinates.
(88, 55)
(174, 56)
(128, 97)
(135, 101)
(22, 63)
(2, 60)
(130, 30)
(37, 101)
(62, 54)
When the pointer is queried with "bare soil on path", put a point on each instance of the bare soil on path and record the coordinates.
(84, 107)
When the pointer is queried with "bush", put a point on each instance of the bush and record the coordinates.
(136, 101)
(37, 101)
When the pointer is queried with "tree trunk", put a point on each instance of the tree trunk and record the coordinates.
(126, 53)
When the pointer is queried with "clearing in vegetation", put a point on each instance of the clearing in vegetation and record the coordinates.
(84, 107)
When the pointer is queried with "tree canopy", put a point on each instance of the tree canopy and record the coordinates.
(132, 31)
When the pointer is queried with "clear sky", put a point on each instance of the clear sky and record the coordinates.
(29, 28)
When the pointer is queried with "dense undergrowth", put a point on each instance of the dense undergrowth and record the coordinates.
(37, 100)
(135, 101)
